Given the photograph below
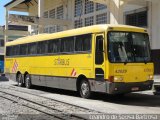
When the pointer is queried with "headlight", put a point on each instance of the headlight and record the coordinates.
(118, 79)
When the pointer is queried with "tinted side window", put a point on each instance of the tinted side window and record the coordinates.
(53, 46)
(8, 51)
(67, 44)
(32, 48)
(42, 47)
(15, 50)
(23, 49)
(83, 43)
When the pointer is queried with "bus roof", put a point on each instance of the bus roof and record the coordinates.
(73, 32)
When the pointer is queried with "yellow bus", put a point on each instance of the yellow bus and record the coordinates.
(112, 59)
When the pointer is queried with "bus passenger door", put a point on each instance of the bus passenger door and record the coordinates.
(99, 58)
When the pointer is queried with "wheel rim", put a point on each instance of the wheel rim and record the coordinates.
(19, 80)
(27, 82)
(84, 88)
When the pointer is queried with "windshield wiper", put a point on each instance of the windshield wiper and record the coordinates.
(126, 61)
(145, 61)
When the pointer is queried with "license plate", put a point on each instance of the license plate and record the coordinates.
(135, 88)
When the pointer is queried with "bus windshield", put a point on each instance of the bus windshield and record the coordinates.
(126, 47)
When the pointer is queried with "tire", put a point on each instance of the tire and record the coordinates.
(122, 95)
(157, 90)
(28, 83)
(20, 80)
(84, 89)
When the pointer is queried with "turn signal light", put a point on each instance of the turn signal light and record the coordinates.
(150, 77)
(111, 79)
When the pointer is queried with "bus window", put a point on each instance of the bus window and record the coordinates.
(23, 49)
(8, 51)
(99, 58)
(53, 46)
(67, 44)
(83, 43)
(42, 47)
(140, 46)
(33, 49)
(15, 50)
(128, 47)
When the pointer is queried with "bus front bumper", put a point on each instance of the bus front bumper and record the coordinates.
(120, 88)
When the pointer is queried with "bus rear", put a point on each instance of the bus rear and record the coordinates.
(130, 67)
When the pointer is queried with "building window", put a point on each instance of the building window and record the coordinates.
(59, 28)
(100, 6)
(45, 14)
(101, 18)
(46, 30)
(137, 19)
(52, 29)
(35, 32)
(1, 43)
(78, 8)
(89, 6)
(52, 13)
(18, 27)
(78, 23)
(60, 12)
(89, 21)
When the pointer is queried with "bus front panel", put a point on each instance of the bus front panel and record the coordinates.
(129, 61)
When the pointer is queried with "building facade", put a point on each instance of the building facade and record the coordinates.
(11, 36)
(49, 16)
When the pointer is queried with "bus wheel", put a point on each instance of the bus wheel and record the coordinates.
(85, 90)
(121, 95)
(157, 90)
(28, 83)
(20, 80)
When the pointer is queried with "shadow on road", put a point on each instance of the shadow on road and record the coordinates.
(134, 99)
(56, 91)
